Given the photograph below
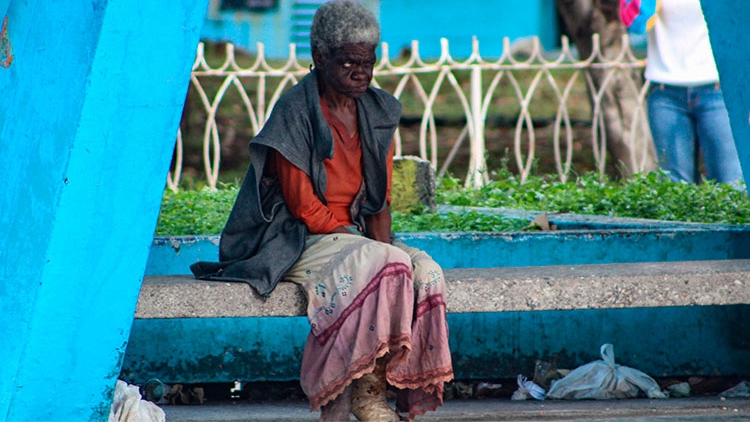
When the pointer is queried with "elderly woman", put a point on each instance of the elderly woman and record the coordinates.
(314, 210)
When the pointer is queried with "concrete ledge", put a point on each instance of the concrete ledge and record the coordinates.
(186, 297)
(599, 286)
(595, 286)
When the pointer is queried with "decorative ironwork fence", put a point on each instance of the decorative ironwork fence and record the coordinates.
(534, 103)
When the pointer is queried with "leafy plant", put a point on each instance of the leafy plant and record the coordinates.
(203, 211)
(652, 196)
(471, 221)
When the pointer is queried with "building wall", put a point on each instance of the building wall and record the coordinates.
(247, 29)
(402, 21)
(458, 21)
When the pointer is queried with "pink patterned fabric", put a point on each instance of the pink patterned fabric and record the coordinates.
(363, 303)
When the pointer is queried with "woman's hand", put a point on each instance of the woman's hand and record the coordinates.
(340, 229)
(379, 225)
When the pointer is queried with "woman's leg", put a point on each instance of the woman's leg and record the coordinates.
(338, 409)
(715, 135)
(360, 305)
(673, 132)
(368, 400)
(428, 365)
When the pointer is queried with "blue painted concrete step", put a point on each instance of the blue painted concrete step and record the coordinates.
(669, 318)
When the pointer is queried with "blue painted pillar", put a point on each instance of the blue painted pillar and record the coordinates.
(730, 41)
(89, 112)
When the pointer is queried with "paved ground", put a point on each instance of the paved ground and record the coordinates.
(696, 409)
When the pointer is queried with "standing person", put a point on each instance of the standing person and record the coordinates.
(686, 108)
(314, 210)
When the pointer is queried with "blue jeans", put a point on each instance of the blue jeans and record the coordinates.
(688, 121)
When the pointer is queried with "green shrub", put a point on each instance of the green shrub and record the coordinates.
(195, 212)
(651, 196)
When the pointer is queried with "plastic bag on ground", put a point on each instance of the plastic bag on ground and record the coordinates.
(487, 389)
(127, 406)
(740, 390)
(527, 389)
(681, 389)
(603, 379)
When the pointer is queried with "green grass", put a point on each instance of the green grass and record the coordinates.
(471, 221)
(195, 212)
(651, 196)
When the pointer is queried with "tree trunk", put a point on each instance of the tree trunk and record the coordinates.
(633, 153)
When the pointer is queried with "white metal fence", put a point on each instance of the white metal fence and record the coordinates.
(536, 103)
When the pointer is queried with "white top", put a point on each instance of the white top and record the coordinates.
(679, 52)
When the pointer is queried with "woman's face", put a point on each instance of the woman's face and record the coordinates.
(348, 69)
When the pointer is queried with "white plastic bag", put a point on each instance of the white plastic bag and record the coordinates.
(127, 406)
(527, 389)
(603, 379)
(740, 390)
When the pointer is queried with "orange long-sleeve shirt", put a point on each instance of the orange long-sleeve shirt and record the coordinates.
(344, 172)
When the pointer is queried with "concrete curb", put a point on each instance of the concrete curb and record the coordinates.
(696, 409)
(593, 286)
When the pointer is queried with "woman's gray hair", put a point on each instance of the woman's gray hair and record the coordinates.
(342, 22)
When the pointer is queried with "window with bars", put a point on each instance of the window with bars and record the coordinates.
(249, 5)
(302, 16)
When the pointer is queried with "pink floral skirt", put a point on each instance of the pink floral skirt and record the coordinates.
(367, 299)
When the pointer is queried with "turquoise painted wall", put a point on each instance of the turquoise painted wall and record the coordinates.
(273, 28)
(695, 340)
(91, 104)
(246, 30)
(730, 41)
(403, 21)
(488, 20)
(659, 243)
(681, 341)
